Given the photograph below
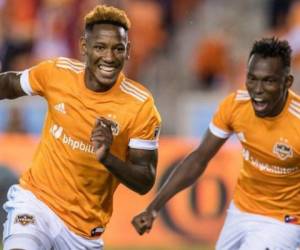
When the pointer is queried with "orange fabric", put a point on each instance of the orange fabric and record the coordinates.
(65, 173)
(269, 181)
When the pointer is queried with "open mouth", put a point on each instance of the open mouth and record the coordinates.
(107, 69)
(259, 104)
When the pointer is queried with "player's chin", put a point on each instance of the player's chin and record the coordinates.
(106, 84)
(107, 81)
(261, 114)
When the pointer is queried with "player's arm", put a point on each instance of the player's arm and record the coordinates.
(183, 176)
(10, 87)
(137, 172)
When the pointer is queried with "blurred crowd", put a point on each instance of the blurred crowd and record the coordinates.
(33, 30)
(214, 64)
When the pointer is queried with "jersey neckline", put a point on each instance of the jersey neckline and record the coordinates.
(92, 93)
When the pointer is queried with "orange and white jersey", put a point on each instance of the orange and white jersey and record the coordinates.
(64, 173)
(269, 181)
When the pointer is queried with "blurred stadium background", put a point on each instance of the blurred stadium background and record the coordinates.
(190, 53)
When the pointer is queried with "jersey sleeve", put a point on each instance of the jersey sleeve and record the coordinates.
(221, 124)
(146, 128)
(34, 80)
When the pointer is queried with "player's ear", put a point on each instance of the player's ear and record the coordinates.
(289, 81)
(128, 50)
(83, 48)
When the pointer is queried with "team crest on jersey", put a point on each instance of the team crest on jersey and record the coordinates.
(283, 150)
(24, 219)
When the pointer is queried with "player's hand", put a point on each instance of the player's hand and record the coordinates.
(102, 137)
(143, 222)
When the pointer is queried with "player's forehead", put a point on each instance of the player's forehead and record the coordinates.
(107, 31)
(259, 64)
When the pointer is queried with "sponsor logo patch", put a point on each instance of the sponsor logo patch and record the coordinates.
(57, 132)
(24, 219)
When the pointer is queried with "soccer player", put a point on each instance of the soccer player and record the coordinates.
(265, 211)
(101, 130)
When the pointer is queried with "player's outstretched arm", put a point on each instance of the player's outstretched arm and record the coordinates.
(184, 175)
(10, 87)
(137, 172)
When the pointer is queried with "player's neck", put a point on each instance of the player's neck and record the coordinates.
(93, 84)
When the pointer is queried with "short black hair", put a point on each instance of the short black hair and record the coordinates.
(273, 47)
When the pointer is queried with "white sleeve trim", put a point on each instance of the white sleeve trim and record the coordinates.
(25, 85)
(143, 144)
(218, 132)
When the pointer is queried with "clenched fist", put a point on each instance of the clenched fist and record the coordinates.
(143, 221)
(102, 137)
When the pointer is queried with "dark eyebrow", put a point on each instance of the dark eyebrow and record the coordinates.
(273, 78)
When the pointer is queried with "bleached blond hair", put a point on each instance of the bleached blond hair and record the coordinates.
(106, 14)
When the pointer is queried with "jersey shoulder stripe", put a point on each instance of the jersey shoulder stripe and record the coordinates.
(69, 64)
(242, 92)
(242, 95)
(294, 105)
(134, 90)
(70, 61)
(294, 108)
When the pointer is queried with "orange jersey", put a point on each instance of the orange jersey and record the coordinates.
(269, 181)
(64, 173)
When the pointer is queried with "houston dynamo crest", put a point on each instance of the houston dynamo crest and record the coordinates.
(283, 150)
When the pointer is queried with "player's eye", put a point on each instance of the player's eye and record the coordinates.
(270, 81)
(98, 47)
(120, 49)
